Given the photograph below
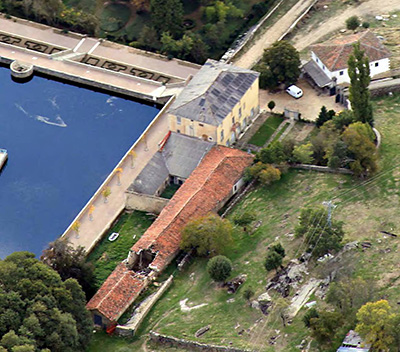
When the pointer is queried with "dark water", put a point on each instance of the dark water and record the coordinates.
(62, 141)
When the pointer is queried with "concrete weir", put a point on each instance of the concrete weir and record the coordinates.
(21, 70)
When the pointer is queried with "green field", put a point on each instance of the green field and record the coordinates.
(266, 130)
(106, 255)
(366, 207)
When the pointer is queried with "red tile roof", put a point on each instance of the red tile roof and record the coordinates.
(205, 190)
(335, 53)
(117, 293)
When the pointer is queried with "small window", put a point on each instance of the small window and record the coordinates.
(210, 138)
(240, 112)
(376, 64)
(323, 66)
(235, 188)
(179, 131)
(317, 60)
(233, 119)
(201, 125)
(178, 120)
(222, 135)
(341, 73)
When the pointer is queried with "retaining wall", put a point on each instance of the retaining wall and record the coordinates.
(145, 202)
(131, 327)
(170, 341)
(322, 169)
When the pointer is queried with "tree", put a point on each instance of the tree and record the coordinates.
(272, 154)
(70, 263)
(148, 40)
(271, 105)
(374, 324)
(38, 311)
(359, 81)
(359, 140)
(265, 173)
(269, 175)
(352, 23)
(321, 238)
(310, 314)
(348, 295)
(207, 235)
(324, 327)
(273, 261)
(343, 119)
(219, 268)
(324, 115)
(106, 193)
(303, 153)
(244, 219)
(278, 248)
(167, 16)
(280, 65)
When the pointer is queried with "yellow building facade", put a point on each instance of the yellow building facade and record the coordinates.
(217, 105)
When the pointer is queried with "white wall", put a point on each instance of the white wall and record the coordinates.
(383, 66)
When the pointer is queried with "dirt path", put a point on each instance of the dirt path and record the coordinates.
(254, 53)
(371, 7)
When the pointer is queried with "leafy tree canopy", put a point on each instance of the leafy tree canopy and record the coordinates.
(207, 235)
(167, 16)
(38, 311)
(320, 237)
(374, 324)
(280, 65)
(273, 260)
(219, 268)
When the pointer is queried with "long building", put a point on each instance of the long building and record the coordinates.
(217, 178)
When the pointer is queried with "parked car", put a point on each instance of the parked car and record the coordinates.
(294, 91)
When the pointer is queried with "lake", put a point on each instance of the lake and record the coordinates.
(62, 143)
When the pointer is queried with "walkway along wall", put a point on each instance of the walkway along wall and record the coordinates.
(142, 139)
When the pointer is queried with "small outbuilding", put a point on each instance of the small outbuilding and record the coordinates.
(353, 343)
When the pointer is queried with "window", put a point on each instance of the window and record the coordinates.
(323, 66)
(210, 138)
(234, 188)
(179, 131)
(201, 125)
(240, 112)
(222, 135)
(178, 120)
(317, 59)
(376, 64)
(233, 119)
(341, 73)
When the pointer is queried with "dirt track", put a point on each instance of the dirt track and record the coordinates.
(254, 53)
(370, 7)
(303, 40)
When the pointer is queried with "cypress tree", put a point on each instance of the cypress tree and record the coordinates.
(359, 82)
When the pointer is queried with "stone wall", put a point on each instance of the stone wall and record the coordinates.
(141, 312)
(322, 169)
(145, 202)
(170, 341)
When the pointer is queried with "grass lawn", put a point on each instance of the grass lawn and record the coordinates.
(106, 255)
(266, 130)
(366, 207)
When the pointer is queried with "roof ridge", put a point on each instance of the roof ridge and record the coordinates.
(337, 58)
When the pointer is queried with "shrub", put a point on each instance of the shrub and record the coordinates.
(271, 105)
(352, 23)
(310, 314)
(273, 260)
(365, 24)
(244, 218)
(219, 268)
(248, 293)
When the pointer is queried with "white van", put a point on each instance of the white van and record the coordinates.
(294, 91)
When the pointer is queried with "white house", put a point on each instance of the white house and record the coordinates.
(329, 59)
